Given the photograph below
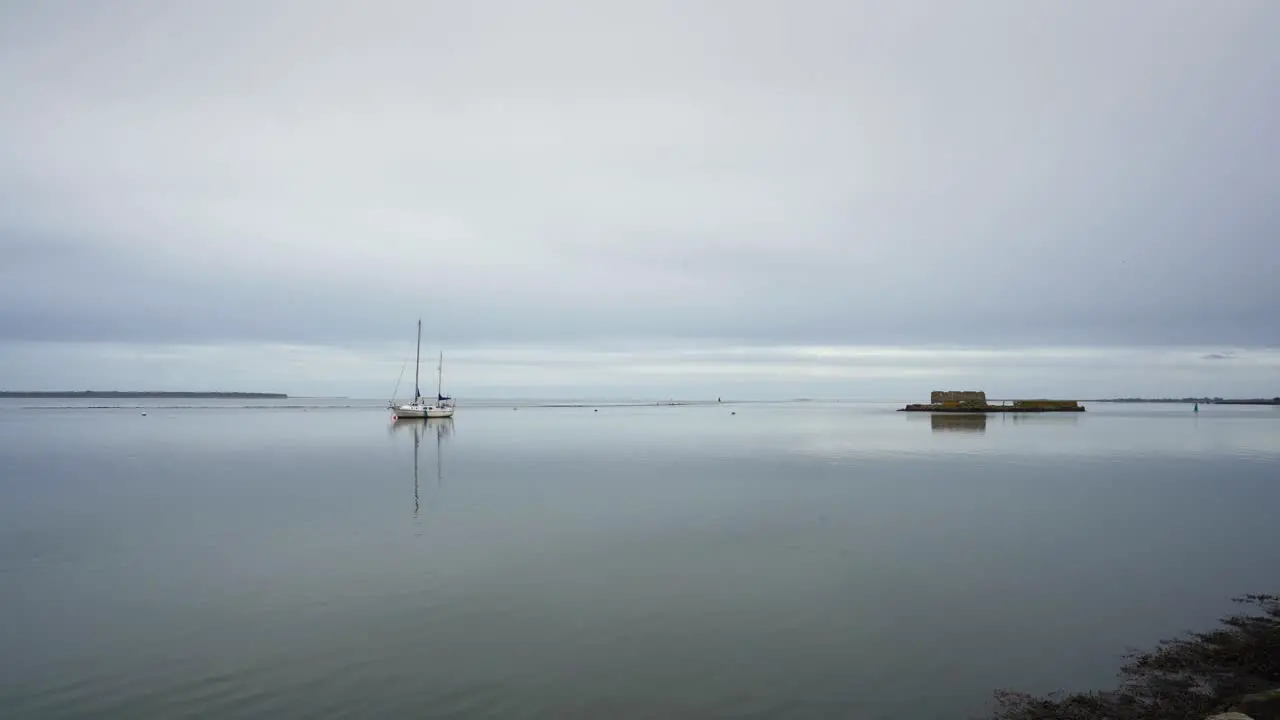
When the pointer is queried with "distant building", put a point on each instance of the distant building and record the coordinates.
(958, 398)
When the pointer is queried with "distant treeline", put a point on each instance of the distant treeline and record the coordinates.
(1201, 400)
(98, 394)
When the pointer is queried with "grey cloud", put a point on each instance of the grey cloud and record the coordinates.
(56, 297)
(812, 172)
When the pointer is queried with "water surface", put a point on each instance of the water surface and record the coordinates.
(288, 559)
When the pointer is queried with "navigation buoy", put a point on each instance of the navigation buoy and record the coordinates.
(1196, 408)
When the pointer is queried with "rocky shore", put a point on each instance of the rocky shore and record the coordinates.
(1231, 672)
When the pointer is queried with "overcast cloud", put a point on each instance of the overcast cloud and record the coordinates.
(237, 177)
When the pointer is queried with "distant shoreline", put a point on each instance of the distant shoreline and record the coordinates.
(1187, 401)
(108, 394)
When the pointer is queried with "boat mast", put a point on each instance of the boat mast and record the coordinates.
(440, 376)
(417, 363)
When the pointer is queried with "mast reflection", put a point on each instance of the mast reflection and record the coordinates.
(442, 429)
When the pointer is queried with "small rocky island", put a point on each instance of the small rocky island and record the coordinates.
(975, 401)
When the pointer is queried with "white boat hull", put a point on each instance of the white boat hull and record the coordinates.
(413, 411)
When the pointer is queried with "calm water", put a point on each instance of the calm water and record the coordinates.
(801, 560)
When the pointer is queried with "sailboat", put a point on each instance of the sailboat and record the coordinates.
(441, 407)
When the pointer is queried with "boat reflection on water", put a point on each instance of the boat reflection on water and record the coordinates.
(956, 422)
(442, 428)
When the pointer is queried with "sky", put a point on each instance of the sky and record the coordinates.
(821, 198)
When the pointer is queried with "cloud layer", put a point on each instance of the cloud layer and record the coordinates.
(629, 371)
(322, 173)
